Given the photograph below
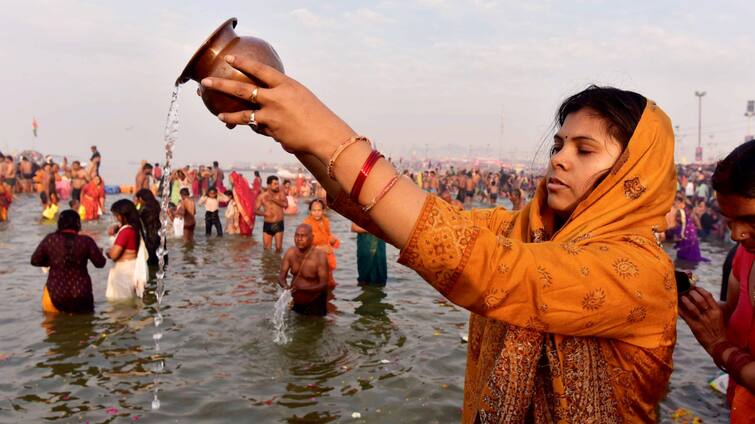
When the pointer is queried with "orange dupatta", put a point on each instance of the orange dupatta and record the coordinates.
(572, 327)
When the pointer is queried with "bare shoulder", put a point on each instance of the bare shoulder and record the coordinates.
(289, 252)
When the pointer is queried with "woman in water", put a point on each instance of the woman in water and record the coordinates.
(323, 238)
(573, 303)
(727, 330)
(149, 212)
(93, 198)
(688, 246)
(244, 199)
(66, 253)
(129, 254)
(372, 267)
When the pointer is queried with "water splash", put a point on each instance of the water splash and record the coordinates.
(280, 318)
(171, 135)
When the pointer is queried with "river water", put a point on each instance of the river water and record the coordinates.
(383, 355)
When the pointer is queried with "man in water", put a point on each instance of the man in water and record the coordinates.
(27, 175)
(95, 160)
(309, 267)
(142, 177)
(187, 209)
(270, 204)
(79, 178)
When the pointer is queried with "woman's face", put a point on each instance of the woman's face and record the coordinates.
(97, 180)
(739, 212)
(316, 211)
(583, 151)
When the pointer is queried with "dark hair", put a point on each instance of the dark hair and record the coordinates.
(316, 201)
(212, 189)
(184, 191)
(286, 182)
(736, 173)
(215, 163)
(72, 202)
(156, 164)
(69, 220)
(127, 210)
(147, 166)
(271, 178)
(148, 198)
(229, 193)
(621, 110)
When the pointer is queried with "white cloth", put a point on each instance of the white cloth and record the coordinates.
(178, 227)
(127, 278)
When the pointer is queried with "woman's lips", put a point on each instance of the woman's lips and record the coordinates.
(556, 184)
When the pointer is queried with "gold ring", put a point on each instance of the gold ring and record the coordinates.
(253, 98)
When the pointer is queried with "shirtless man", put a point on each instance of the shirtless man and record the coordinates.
(27, 175)
(142, 177)
(186, 209)
(10, 172)
(79, 178)
(309, 268)
(270, 204)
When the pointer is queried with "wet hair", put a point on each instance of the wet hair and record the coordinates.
(184, 191)
(215, 164)
(735, 174)
(147, 166)
(146, 196)
(256, 173)
(212, 189)
(271, 178)
(229, 193)
(621, 110)
(69, 220)
(126, 209)
(156, 164)
(322, 204)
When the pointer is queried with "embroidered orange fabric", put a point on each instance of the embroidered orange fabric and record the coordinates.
(572, 327)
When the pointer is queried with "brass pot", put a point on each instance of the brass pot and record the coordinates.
(209, 61)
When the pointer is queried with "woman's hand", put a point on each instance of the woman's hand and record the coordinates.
(704, 316)
(288, 111)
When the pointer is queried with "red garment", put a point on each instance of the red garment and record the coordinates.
(91, 194)
(126, 238)
(741, 332)
(246, 200)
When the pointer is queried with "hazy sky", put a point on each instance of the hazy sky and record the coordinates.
(410, 74)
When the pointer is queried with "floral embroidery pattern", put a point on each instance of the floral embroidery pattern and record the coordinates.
(504, 242)
(450, 238)
(536, 323)
(495, 297)
(668, 283)
(545, 277)
(538, 236)
(637, 314)
(633, 189)
(594, 300)
(585, 271)
(502, 269)
(625, 268)
(571, 247)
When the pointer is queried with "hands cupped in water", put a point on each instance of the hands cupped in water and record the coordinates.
(288, 111)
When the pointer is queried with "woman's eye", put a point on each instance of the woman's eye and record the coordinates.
(584, 152)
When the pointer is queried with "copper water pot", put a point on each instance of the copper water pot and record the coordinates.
(208, 61)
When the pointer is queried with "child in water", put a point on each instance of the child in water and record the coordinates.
(211, 202)
(51, 207)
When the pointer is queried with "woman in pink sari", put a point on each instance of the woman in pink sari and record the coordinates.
(245, 199)
(93, 198)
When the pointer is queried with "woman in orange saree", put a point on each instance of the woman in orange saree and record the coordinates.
(244, 198)
(322, 237)
(93, 198)
(573, 303)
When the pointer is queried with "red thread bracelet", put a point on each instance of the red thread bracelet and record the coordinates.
(356, 189)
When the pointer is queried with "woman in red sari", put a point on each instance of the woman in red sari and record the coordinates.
(245, 199)
(93, 198)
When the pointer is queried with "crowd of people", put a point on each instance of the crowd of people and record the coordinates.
(574, 302)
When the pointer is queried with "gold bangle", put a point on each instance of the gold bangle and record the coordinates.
(382, 193)
(343, 146)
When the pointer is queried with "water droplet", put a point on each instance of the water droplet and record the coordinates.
(157, 336)
(158, 319)
(155, 403)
